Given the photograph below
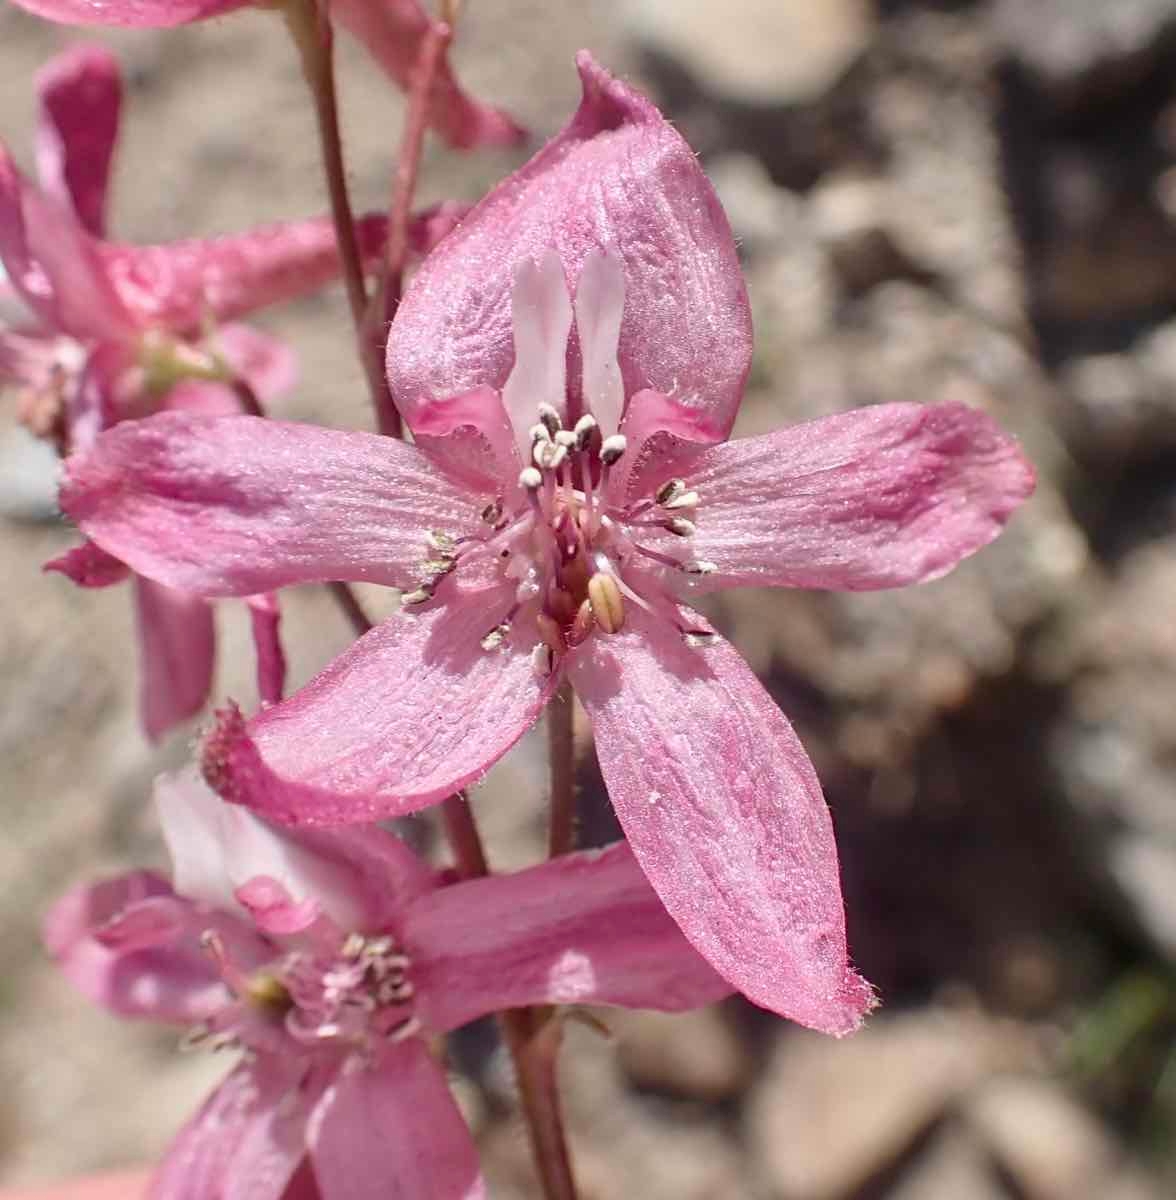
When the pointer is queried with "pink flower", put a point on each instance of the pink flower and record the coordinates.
(330, 957)
(392, 31)
(548, 523)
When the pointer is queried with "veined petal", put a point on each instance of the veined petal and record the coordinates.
(173, 982)
(182, 285)
(541, 318)
(237, 505)
(140, 14)
(617, 176)
(600, 303)
(873, 498)
(392, 1129)
(360, 878)
(265, 619)
(392, 31)
(413, 711)
(247, 1140)
(725, 815)
(584, 928)
(80, 93)
(177, 649)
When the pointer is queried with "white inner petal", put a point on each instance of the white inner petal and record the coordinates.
(600, 299)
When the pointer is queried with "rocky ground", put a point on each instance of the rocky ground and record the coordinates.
(969, 200)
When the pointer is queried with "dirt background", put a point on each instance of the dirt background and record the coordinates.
(969, 200)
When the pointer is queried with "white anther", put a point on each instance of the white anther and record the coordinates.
(530, 479)
(443, 542)
(549, 415)
(549, 455)
(436, 568)
(496, 636)
(680, 527)
(585, 427)
(409, 1028)
(670, 490)
(539, 434)
(542, 660)
(700, 567)
(698, 637)
(565, 438)
(685, 500)
(419, 595)
(492, 513)
(612, 449)
(353, 946)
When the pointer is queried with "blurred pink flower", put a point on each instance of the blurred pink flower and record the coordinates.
(329, 957)
(392, 31)
(548, 523)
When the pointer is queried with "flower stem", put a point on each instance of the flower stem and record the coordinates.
(388, 291)
(532, 1035)
(561, 834)
(310, 26)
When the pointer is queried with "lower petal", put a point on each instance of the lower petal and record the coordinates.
(415, 710)
(393, 1130)
(725, 815)
(176, 650)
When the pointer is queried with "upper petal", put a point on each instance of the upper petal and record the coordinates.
(80, 93)
(617, 176)
(180, 285)
(873, 498)
(146, 14)
(393, 31)
(725, 815)
(584, 928)
(237, 505)
(360, 878)
(413, 711)
(246, 1142)
(392, 1130)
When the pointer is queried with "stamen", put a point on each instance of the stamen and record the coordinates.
(539, 434)
(549, 415)
(680, 527)
(585, 427)
(496, 636)
(565, 438)
(542, 660)
(608, 607)
(700, 566)
(444, 543)
(421, 595)
(492, 513)
(670, 490)
(530, 479)
(698, 638)
(612, 448)
(684, 500)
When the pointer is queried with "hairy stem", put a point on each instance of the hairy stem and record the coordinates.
(561, 836)
(310, 26)
(531, 1034)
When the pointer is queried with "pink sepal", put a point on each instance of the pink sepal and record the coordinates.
(265, 618)
(89, 566)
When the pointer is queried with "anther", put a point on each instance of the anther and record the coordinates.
(530, 479)
(685, 500)
(608, 607)
(492, 513)
(700, 567)
(565, 438)
(549, 415)
(549, 455)
(698, 637)
(586, 426)
(542, 660)
(444, 543)
(539, 434)
(670, 490)
(680, 527)
(496, 636)
(582, 625)
(612, 449)
(419, 595)
(438, 568)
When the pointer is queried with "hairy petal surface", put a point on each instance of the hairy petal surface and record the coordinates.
(177, 650)
(80, 95)
(393, 31)
(585, 928)
(874, 498)
(393, 1132)
(725, 815)
(246, 1141)
(139, 14)
(237, 505)
(617, 176)
(410, 713)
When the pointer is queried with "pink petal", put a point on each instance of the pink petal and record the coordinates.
(89, 566)
(266, 363)
(618, 176)
(725, 815)
(174, 982)
(237, 505)
(582, 929)
(177, 648)
(265, 618)
(413, 711)
(143, 14)
(393, 30)
(80, 94)
(392, 1130)
(248, 1139)
(360, 878)
(873, 498)
(182, 284)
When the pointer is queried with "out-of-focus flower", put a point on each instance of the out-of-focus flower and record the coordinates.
(392, 30)
(329, 957)
(547, 524)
